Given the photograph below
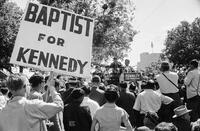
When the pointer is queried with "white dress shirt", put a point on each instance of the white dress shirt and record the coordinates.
(165, 85)
(21, 114)
(150, 101)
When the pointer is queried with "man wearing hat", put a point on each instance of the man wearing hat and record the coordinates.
(182, 118)
(76, 117)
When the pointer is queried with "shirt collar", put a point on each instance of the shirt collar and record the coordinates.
(16, 98)
(110, 105)
(148, 90)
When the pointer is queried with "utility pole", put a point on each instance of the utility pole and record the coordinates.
(151, 47)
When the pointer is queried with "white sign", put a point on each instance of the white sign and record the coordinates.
(53, 39)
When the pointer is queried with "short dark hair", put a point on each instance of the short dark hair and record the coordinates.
(111, 93)
(123, 85)
(194, 63)
(16, 82)
(164, 66)
(96, 79)
(36, 79)
(132, 87)
(149, 84)
(58, 76)
(77, 93)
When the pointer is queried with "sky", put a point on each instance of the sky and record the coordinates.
(153, 18)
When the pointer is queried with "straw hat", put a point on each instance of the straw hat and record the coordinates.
(181, 110)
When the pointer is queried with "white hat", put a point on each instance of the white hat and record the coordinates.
(181, 110)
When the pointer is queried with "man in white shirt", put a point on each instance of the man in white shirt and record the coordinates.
(192, 82)
(149, 100)
(168, 83)
(21, 114)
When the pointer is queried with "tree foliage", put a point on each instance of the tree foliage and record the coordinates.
(10, 15)
(183, 42)
(113, 31)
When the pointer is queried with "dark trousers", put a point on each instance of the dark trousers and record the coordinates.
(194, 105)
(166, 112)
(138, 118)
(176, 97)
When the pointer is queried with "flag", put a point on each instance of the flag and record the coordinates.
(151, 44)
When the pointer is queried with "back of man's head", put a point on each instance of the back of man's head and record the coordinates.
(164, 66)
(194, 63)
(15, 82)
(96, 79)
(36, 79)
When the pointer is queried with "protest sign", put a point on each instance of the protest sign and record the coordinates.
(132, 76)
(54, 39)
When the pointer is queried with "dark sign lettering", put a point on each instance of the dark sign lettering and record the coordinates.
(48, 16)
(36, 57)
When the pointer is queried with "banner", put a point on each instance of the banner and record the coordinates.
(132, 76)
(53, 39)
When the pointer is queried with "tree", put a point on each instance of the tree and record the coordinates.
(113, 31)
(10, 15)
(183, 43)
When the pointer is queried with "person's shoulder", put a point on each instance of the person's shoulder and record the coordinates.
(119, 109)
(131, 94)
(157, 92)
(33, 101)
(85, 108)
(158, 76)
(35, 95)
(173, 73)
(93, 102)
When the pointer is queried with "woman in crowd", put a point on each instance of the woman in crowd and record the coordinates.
(110, 116)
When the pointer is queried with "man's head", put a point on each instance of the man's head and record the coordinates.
(37, 81)
(115, 59)
(96, 79)
(164, 66)
(17, 84)
(123, 86)
(194, 63)
(111, 93)
(149, 84)
(182, 112)
(163, 126)
(127, 62)
(77, 95)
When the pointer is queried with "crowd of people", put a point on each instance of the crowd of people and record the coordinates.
(157, 102)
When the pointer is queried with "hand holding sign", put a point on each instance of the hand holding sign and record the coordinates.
(51, 82)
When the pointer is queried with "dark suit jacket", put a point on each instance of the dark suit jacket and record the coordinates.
(76, 118)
